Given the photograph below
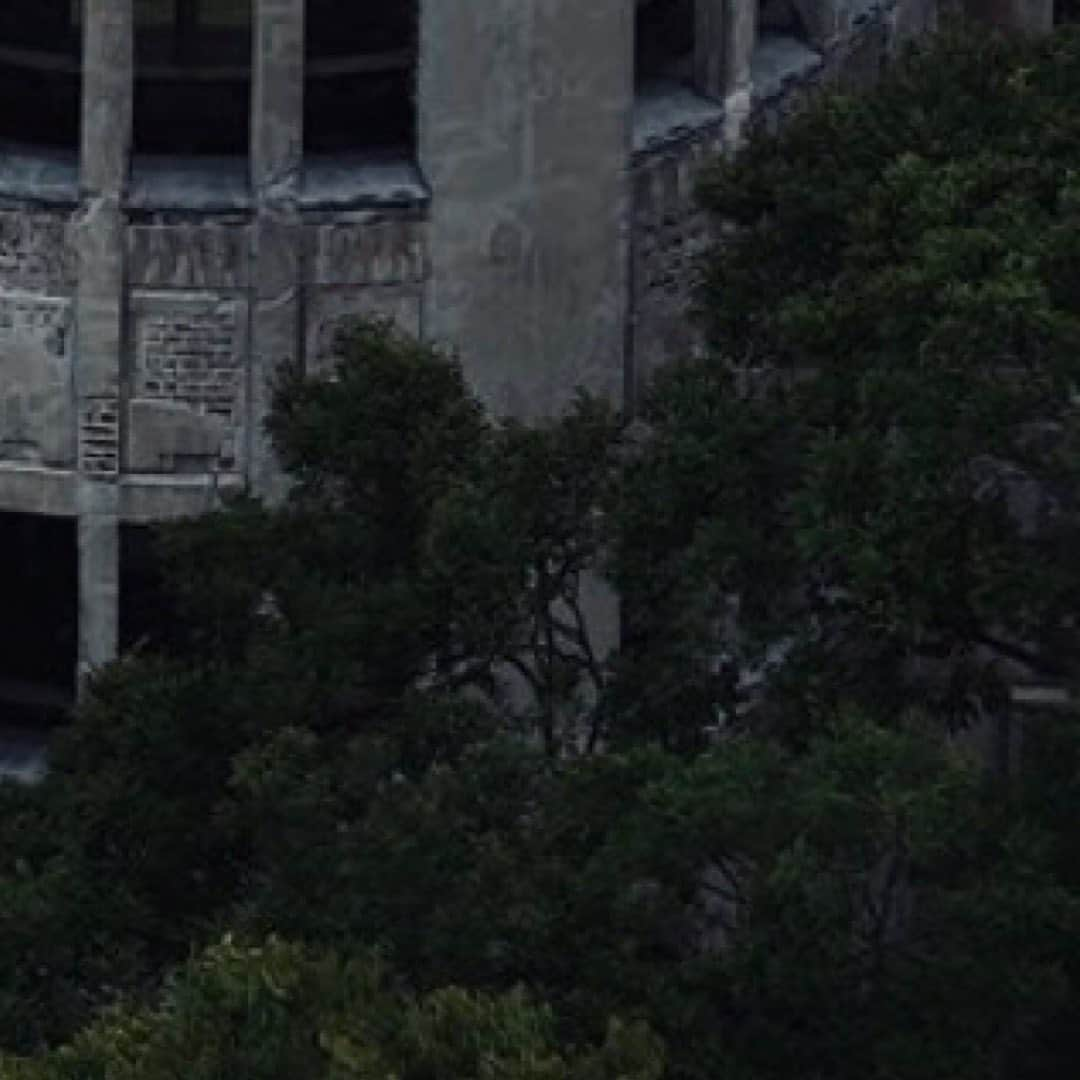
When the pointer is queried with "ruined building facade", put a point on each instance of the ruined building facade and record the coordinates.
(192, 191)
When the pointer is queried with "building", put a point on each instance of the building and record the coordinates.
(192, 191)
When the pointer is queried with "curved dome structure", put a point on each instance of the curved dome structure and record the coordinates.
(193, 191)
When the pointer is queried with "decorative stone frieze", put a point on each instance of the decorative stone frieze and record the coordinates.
(189, 255)
(377, 249)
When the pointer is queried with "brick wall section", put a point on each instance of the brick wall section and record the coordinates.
(190, 358)
(99, 436)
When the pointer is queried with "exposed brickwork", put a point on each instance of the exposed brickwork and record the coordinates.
(99, 437)
(191, 357)
(35, 250)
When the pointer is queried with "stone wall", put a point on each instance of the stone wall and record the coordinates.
(37, 281)
(546, 227)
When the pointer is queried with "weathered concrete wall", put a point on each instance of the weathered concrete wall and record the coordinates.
(549, 234)
(525, 139)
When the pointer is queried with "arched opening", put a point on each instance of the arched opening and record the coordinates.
(40, 72)
(359, 91)
(192, 76)
(664, 41)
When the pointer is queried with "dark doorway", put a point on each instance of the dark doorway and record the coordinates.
(39, 586)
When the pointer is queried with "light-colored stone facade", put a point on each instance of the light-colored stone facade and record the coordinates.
(543, 225)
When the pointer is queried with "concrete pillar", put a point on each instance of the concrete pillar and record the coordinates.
(108, 68)
(527, 153)
(277, 150)
(724, 33)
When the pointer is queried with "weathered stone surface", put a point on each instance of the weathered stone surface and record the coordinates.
(189, 255)
(36, 424)
(188, 375)
(169, 437)
(373, 249)
(526, 154)
(36, 251)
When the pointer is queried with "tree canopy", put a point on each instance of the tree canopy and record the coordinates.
(760, 839)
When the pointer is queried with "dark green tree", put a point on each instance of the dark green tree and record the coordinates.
(867, 491)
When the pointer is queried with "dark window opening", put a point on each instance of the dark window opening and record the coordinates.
(192, 76)
(359, 91)
(780, 18)
(664, 40)
(148, 618)
(40, 72)
(38, 618)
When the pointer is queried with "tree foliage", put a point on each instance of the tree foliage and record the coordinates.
(278, 1012)
(840, 539)
(871, 482)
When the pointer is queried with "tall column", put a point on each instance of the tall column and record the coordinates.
(528, 157)
(277, 149)
(108, 69)
(724, 35)
(527, 153)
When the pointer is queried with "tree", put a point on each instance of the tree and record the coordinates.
(841, 538)
(420, 543)
(275, 1011)
(868, 489)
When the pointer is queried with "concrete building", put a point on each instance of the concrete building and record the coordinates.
(192, 191)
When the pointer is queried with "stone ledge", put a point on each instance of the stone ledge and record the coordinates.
(39, 175)
(146, 498)
(362, 181)
(37, 489)
(667, 113)
(209, 185)
(778, 61)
